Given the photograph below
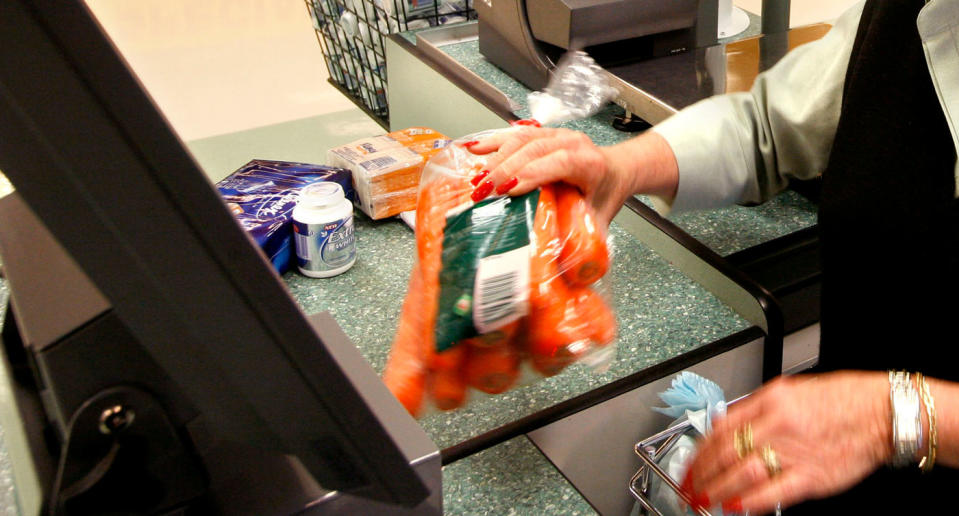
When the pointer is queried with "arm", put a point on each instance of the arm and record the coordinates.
(783, 127)
(723, 150)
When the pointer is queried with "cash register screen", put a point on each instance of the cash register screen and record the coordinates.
(89, 152)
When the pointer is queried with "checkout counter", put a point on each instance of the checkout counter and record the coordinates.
(683, 299)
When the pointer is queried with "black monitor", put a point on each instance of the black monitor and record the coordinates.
(159, 363)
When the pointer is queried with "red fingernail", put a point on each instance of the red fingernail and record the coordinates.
(526, 122)
(507, 186)
(479, 177)
(687, 485)
(482, 191)
(700, 501)
(470, 143)
(733, 505)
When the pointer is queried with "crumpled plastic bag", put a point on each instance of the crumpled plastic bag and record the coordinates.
(578, 88)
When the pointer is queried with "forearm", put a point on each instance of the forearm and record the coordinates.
(647, 163)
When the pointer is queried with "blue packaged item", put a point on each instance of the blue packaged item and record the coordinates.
(262, 195)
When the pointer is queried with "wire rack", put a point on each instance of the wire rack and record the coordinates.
(351, 34)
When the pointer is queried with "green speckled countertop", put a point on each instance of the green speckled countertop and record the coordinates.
(512, 478)
(726, 230)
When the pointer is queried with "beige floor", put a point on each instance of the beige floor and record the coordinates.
(221, 66)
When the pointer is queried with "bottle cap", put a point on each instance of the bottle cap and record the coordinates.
(323, 193)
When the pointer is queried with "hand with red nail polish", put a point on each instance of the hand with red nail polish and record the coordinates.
(606, 176)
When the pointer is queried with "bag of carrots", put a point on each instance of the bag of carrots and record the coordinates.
(503, 291)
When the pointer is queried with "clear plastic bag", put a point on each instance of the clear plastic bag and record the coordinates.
(503, 291)
(578, 88)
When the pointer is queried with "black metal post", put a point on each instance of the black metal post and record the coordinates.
(775, 16)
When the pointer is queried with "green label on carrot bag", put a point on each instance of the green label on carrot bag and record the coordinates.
(484, 279)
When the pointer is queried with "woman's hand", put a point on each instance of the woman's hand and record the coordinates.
(528, 157)
(827, 432)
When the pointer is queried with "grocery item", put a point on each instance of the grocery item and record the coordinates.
(386, 169)
(504, 290)
(262, 195)
(323, 231)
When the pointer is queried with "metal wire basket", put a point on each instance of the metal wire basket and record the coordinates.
(351, 34)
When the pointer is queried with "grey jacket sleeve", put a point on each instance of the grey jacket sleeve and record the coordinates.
(743, 147)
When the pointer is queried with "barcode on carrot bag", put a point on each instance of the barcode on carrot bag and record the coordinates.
(501, 293)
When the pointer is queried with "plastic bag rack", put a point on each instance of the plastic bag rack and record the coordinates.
(651, 451)
(351, 35)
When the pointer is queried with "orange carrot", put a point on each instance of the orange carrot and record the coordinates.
(584, 257)
(406, 368)
(492, 369)
(496, 337)
(405, 372)
(553, 324)
(602, 322)
(447, 384)
(414, 345)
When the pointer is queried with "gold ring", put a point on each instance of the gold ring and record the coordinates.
(770, 460)
(743, 440)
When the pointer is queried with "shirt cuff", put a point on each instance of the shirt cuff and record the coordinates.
(712, 167)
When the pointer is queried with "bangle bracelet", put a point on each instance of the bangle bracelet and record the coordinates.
(906, 420)
(927, 462)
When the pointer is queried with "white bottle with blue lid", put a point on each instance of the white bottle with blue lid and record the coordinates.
(323, 230)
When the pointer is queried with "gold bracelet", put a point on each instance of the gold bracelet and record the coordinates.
(929, 460)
